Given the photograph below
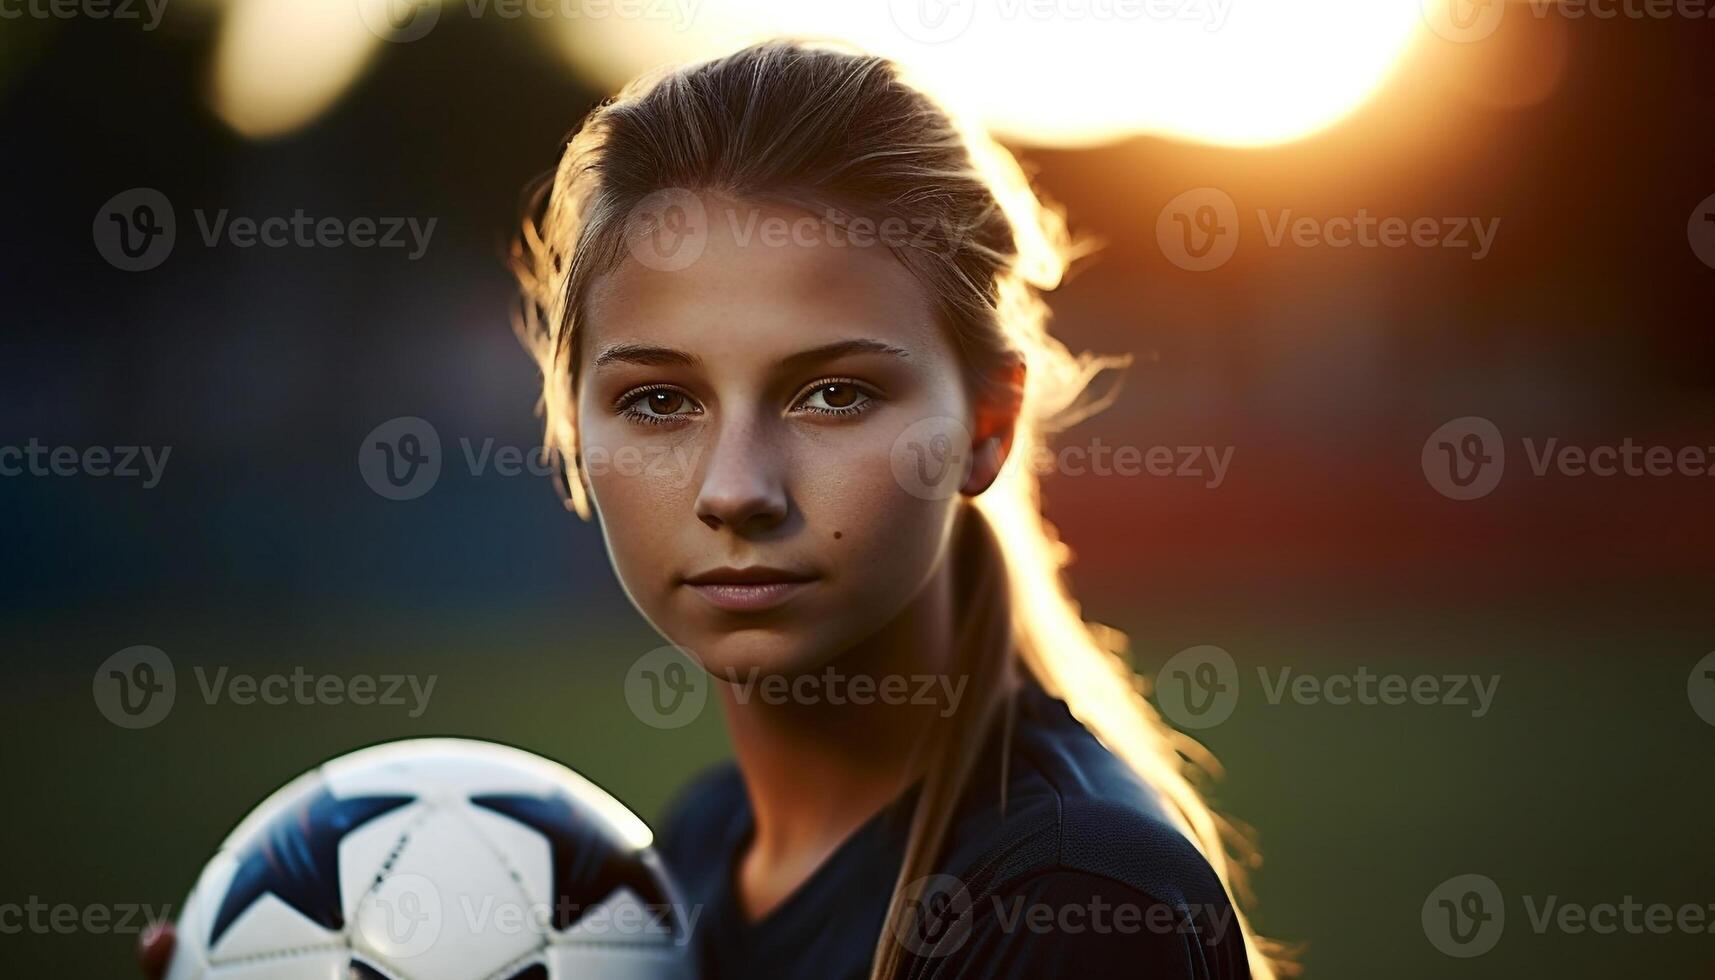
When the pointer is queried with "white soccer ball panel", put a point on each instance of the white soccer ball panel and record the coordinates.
(459, 768)
(522, 849)
(264, 929)
(606, 962)
(447, 908)
(622, 919)
(320, 965)
(364, 852)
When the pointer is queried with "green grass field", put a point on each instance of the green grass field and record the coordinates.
(1590, 780)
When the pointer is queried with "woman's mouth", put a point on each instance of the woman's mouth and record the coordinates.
(748, 590)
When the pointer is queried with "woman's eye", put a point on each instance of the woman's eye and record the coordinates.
(836, 397)
(658, 405)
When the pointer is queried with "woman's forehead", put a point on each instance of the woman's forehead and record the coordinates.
(765, 280)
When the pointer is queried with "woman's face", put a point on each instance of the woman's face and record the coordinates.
(751, 410)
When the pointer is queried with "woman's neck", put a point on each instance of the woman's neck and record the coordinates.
(841, 744)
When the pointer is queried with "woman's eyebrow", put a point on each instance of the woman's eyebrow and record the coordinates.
(651, 355)
(645, 354)
(841, 348)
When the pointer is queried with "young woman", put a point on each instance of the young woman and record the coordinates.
(805, 304)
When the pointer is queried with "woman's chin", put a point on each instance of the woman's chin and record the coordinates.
(742, 657)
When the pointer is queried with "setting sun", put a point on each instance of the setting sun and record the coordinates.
(1067, 72)
(1046, 72)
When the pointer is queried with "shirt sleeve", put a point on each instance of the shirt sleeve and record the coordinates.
(1073, 925)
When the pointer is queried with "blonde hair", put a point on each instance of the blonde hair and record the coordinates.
(821, 126)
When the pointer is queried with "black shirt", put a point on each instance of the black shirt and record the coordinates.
(1083, 876)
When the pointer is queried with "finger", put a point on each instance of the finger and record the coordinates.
(155, 950)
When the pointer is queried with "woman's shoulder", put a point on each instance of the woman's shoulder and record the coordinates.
(1082, 862)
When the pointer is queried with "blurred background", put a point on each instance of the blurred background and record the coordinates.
(1330, 544)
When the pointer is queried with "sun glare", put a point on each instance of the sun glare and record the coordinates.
(1046, 72)
(1067, 72)
(278, 64)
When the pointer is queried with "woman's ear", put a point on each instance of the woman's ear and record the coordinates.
(996, 421)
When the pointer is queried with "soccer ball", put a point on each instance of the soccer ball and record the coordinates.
(435, 859)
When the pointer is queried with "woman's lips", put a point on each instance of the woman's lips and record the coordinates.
(748, 596)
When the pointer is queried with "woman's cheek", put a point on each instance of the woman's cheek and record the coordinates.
(888, 538)
(641, 497)
(626, 466)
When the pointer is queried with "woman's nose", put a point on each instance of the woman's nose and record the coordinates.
(743, 488)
